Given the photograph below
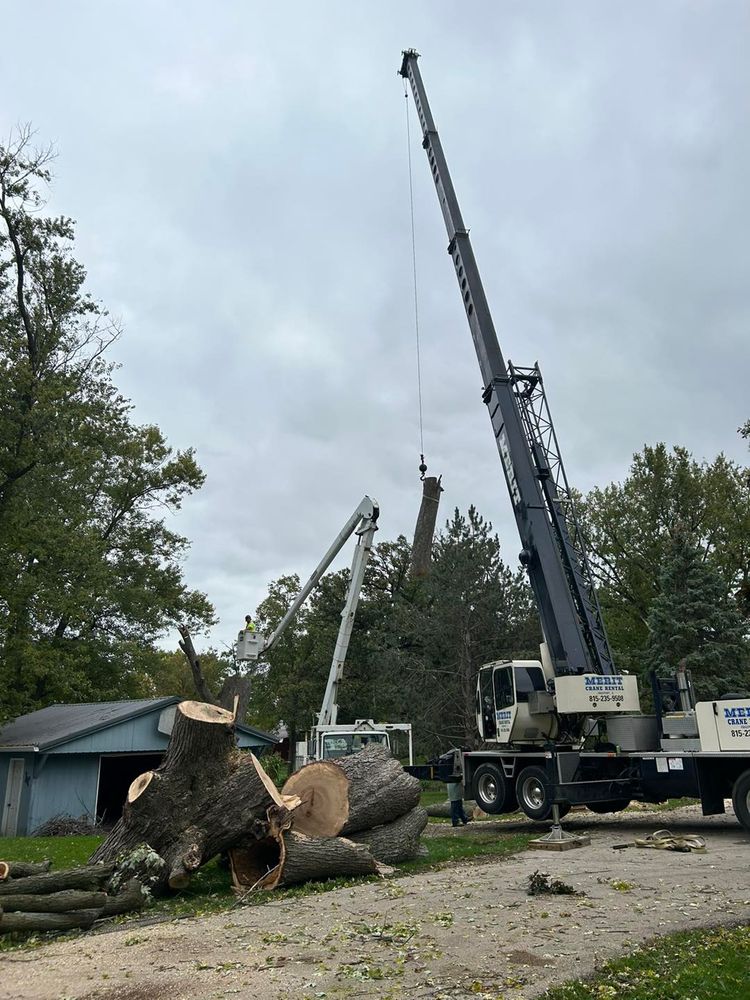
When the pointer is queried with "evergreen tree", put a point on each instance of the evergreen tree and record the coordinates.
(694, 619)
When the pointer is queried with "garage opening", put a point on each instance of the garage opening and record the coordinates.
(116, 774)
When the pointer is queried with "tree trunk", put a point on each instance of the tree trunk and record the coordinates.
(396, 841)
(380, 790)
(91, 878)
(236, 686)
(290, 858)
(22, 869)
(424, 531)
(47, 921)
(202, 800)
(54, 902)
(130, 897)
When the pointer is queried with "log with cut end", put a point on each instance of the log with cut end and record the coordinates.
(397, 841)
(202, 799)
(291, 858)
(323, 791)
(92, 877)
(131, 897)
(22, 869)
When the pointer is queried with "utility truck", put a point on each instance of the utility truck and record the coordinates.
(567, 728)
(328, 739)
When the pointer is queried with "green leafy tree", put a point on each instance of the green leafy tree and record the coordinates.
(90, 574)
(631, 525)
(693, 620)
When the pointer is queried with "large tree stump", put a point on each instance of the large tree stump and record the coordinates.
(290, 857)
(396, 841)
(202, 799)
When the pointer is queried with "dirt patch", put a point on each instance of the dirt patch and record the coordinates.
(459, 932)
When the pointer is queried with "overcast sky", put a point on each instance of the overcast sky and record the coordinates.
(238, 171)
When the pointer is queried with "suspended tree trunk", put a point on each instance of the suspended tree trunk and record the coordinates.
(424, 531)
(204, 797)
(397, 841)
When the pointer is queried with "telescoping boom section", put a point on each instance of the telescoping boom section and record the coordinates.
(552, 546)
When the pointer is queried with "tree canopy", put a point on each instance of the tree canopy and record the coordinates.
(90, 574)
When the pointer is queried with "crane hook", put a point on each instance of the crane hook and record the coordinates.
(422, 468)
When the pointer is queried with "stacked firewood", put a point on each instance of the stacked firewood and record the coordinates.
(32, 898)
(349, 817)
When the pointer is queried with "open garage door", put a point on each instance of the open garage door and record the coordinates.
(116, 773)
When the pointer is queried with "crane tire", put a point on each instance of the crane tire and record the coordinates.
(491, 791)
(741, 799)
(533, 794)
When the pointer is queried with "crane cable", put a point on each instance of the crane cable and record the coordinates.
(422, 464)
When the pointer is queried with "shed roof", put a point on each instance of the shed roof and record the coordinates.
(57, 724)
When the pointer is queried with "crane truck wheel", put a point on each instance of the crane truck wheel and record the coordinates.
(491, 792)
(532, 789)
(741, 799)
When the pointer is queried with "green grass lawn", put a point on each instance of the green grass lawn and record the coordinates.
(694, 965)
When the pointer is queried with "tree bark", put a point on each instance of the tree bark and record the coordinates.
(130, 897)
(22, 869)
(54, 902)
(379, 788)
(202, 799)
(235, 686)
(424, 531)
(290, 858)
(47, 921)
(396, 841)
(89, 878)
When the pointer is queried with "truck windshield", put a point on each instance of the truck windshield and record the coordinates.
(342, 744)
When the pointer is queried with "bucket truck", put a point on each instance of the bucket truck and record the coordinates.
(328, 739)
(567, 728)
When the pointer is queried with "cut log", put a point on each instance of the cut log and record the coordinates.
(380, 790)
(4, 871)
(22, 869)
(424, 531)
(46, 921)
(397, 841)
(292, 858)
(54, 902)
(90, 877)
(202, 799)
(130, 897)
(323, 791)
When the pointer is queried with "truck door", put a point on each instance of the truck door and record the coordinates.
(486, 705)
(505, 701)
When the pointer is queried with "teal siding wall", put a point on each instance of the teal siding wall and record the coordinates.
(134, 735)
(64, 786)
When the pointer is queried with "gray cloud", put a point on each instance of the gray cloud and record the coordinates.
(239, 179)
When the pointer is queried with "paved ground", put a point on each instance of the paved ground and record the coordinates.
(467, 931)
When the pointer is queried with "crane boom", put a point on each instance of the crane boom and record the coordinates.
(553, 551)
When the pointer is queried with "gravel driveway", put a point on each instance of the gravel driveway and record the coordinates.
(464, 931)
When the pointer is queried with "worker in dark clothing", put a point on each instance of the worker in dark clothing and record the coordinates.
(456, 799)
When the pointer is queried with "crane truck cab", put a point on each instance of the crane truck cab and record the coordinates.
(327, 742)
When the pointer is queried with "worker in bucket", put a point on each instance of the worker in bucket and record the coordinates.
(249, 624)
(456, 799)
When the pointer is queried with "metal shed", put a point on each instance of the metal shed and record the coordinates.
(79, 760)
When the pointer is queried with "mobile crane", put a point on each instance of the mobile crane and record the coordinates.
(567, 729)
(327, 739)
